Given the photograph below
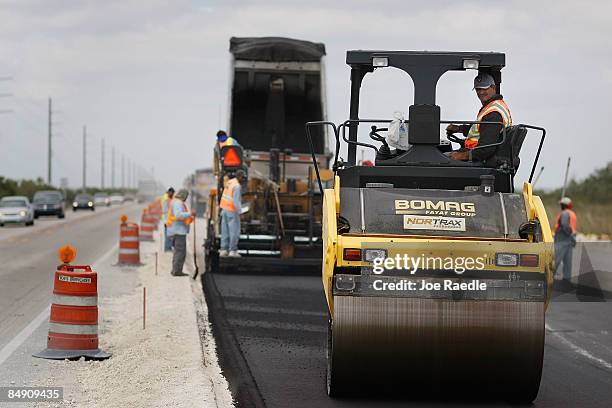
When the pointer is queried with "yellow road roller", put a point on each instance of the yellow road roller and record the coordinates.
(437, 273)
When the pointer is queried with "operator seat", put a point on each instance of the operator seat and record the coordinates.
(507, 154)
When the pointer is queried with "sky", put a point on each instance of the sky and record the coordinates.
(151, 77)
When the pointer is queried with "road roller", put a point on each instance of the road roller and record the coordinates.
(436, 272)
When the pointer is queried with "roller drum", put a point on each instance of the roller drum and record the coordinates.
(437, 347)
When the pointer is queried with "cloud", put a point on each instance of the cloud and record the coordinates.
(151, 77)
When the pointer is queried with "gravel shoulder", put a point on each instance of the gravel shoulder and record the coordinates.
(172, 362)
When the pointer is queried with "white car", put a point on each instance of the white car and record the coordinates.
(101, 199)
(17, 210)
(116, 199)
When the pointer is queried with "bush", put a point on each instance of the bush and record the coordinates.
(9, 187)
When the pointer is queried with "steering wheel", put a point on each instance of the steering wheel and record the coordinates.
(375, 136)
(455, 139)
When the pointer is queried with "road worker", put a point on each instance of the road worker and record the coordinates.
(166, 201)
(565, 237)
(494, 109)
(231, 206)
(222, 140)
(179, 219)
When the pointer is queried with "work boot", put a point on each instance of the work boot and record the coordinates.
(234, 254)
(223, 252)
(179, 274)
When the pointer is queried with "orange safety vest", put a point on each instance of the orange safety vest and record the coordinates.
(572, 221)
(500, 106)
(227, 198)
(172, 218)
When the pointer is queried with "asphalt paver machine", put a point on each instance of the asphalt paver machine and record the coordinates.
(277, 84)
(462, 328)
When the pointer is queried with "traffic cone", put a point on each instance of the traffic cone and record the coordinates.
(147, 226)
(129, 243)
(73, 323)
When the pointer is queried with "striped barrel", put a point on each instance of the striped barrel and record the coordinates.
(155, 211)
(129, 244)
(147, 226)
(73, 323)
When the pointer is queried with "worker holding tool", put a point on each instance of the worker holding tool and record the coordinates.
(494, 109)
(231, 206)
(565, 237)
(179, 219)
(166, 201)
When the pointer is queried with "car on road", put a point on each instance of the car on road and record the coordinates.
(83, 202)
(129, 198)
(49, 202)
(102, 199)
(116, 199)
(16, 210)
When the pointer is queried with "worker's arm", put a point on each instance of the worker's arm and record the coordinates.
(489, 133)
(179, 210)
(238, 198)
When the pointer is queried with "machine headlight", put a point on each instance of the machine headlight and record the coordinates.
(506, 259)
(369, 255)
(22, 213)
(90, 204)
(470, 64)
(380, 61)
(75, 204)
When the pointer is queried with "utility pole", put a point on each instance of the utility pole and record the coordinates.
(84, 158)
(50, 125)
(113, 167)
(129, 170)
(122, 170)
(102, 169)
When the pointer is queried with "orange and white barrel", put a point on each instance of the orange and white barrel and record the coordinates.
(147, 226)
(129, 244)
(73, 323)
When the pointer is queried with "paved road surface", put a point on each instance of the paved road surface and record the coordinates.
(271, 334)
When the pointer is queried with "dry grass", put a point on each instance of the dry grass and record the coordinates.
(592, 218)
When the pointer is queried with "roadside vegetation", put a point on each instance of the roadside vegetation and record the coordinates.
(9, 187)
(592, 198)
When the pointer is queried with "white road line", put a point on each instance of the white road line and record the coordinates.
(579, 349)
(27, 331)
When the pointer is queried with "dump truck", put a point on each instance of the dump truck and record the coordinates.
(436, 272)
(276, 86)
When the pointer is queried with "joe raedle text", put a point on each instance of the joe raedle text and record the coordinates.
(424, 284)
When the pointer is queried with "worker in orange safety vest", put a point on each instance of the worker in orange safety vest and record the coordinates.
(565, 237)
(178, 221)
(231, 206)
(494, 109)
(166, 201)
